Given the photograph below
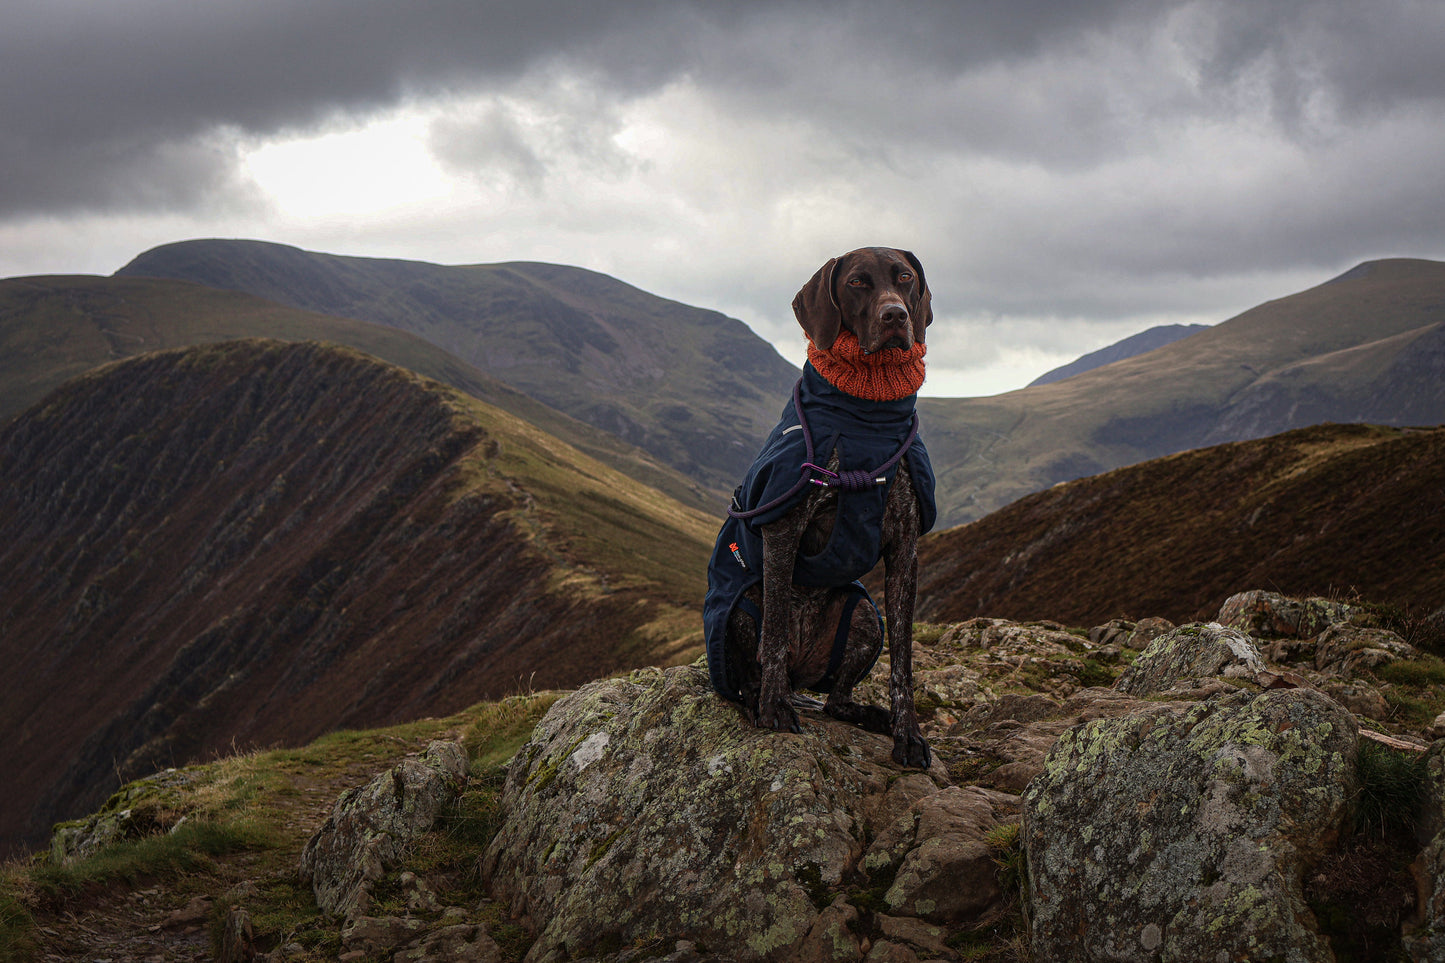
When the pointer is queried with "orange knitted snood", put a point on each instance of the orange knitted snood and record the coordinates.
(885, 375)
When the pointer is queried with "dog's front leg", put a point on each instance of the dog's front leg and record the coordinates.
(780, 550)
(900, 584)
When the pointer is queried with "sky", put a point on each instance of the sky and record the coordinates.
(1068, 173)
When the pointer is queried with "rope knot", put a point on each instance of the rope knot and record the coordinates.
(855, 481)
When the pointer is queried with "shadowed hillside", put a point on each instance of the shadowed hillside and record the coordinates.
(266, 541)
(1368, 346)
(1328, 510)
(696, 389)
(54, 328)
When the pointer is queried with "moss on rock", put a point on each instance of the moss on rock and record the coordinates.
(1183, 833)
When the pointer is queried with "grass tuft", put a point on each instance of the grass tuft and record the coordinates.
(1392, 789)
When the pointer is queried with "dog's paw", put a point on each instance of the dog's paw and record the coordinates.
(859, 714)
(911, 749)
(777, 715)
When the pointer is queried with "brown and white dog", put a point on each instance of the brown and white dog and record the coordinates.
(865, 314)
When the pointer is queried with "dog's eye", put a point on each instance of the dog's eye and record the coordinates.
(905, 276)
(857, 282)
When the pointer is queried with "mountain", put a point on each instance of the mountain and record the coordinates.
(1328, 510)
(696, 389)
(1368, 346)
(54, 328)
(256, 542)
(1147, 340)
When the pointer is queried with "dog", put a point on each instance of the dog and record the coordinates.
(842, 482)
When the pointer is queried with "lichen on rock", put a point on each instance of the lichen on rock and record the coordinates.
(1191, 653)
(645, 807)
(371, 825)
(1182, 832)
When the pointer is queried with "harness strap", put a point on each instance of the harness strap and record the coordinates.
(854, 480)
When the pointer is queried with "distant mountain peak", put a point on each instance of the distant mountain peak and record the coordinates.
(1135, 344)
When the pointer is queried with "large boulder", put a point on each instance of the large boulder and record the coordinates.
(1183, 832)
(646, 808)
(1269, 615)
(1349, 650)
(1189, 655)
(370, 827)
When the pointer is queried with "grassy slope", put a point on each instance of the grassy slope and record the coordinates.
(54, 328)
(993, 450)
(1332, 509)
(181, 603)
(247, 818)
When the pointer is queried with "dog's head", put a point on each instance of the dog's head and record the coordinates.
(878, 293)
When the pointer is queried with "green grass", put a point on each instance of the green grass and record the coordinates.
(1428, 670)
(1392, 789)
(220, 806)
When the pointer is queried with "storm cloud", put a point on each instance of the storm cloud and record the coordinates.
(1070, 173)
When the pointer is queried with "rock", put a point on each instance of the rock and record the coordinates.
(459, 943)
(237, 942)
(887, 951)
(374, 935)
(926, 941)
(370, 826)
(1427, 943)
(832, 938)
(1197, 651)
(193, 912)
(1182, 833)
(1360, 699)
(1001, 637)
(140, 808)
(1269, 615)
(1146, 631)
(1286, 651)
(939, 858)
(1112, 632)
(646, 806)
(1348, 650)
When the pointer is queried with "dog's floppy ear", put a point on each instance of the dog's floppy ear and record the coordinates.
(921, 310)
(816, 308)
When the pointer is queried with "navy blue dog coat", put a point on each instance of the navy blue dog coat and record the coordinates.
(867, 436)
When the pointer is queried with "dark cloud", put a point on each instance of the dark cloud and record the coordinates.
(103, 104)
(1052, 162)
(101, 101)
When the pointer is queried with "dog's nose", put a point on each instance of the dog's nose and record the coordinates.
(894, 314)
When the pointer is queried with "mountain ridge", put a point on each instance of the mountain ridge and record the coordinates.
(589, 345)
(1145, 341)
(1325, 510)
(56, 327)
(1198, 391)
(262, 541)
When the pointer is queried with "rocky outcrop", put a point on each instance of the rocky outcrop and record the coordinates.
(646, 807)
(1270, 615)
(1190, 654)
(1214, 810)
(140, 808)
(370, 827)
(1184, 833)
